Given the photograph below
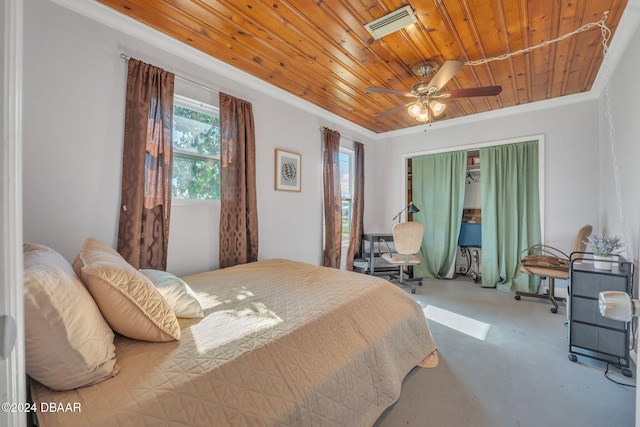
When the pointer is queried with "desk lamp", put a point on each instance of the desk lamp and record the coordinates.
(411, 210)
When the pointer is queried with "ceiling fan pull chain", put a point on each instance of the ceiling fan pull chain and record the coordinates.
(606, 36)
(606, 33)
(627, 250)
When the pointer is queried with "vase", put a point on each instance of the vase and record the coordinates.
(603, 262)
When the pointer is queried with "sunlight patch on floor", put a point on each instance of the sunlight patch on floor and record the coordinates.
(466, 325)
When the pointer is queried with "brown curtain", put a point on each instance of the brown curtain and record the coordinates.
(238, 209)
(357, 209)
(332, 198)
(143, 233)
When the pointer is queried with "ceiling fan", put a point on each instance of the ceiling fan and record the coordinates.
(426, 106)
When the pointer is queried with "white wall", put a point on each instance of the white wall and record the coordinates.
(570, 160)
(625, 108)
(625, 103)
(75, 85)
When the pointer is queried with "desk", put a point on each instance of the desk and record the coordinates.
(470, 241)
(371, 254)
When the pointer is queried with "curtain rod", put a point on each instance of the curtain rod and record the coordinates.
(341, 136)
(127, 58)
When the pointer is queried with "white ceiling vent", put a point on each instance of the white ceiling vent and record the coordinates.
(392, 22)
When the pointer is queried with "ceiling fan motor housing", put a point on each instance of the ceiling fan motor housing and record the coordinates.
(423, 88)
(423, 69)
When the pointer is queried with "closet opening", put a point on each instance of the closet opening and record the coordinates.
(464, 230)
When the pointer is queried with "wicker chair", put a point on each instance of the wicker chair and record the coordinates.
(553, 273)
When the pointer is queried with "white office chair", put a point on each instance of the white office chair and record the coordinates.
(407, 239)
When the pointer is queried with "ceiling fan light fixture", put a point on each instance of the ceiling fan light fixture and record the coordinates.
(424, 114)
(414, 109)
(437, 107)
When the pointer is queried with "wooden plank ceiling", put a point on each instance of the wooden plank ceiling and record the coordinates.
(320, 51)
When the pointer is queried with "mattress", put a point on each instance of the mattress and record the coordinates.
(282, 343)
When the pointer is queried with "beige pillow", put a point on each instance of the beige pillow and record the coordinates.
(180, 297)
(68, 342)
(127, 299)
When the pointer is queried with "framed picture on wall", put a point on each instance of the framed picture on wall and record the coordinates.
(287, 170)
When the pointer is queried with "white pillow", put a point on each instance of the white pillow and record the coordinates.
(180, 297)
(68, 342)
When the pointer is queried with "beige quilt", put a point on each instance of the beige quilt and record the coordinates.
(282, 343)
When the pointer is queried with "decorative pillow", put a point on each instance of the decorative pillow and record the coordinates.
(127, 299)
(68, 342)
(180, 297)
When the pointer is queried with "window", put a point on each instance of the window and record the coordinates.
(346, 190)
(196, 150)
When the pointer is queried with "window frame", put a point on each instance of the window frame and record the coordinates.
(350, 154)
(202, 107)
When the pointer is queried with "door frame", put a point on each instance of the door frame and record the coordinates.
(11, 261)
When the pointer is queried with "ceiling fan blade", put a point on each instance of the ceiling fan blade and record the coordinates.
(390, 91)
(474, 91)
(444, 74)
(393, 110)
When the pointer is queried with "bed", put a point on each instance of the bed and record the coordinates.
(281, 343)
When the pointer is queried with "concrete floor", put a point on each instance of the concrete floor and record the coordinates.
(518, 375)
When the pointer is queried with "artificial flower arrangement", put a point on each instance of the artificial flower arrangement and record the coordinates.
(604, 245)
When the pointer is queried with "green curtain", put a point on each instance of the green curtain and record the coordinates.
(438, 191)
(510, 214)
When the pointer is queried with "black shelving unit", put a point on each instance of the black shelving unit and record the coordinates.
(591, 334)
